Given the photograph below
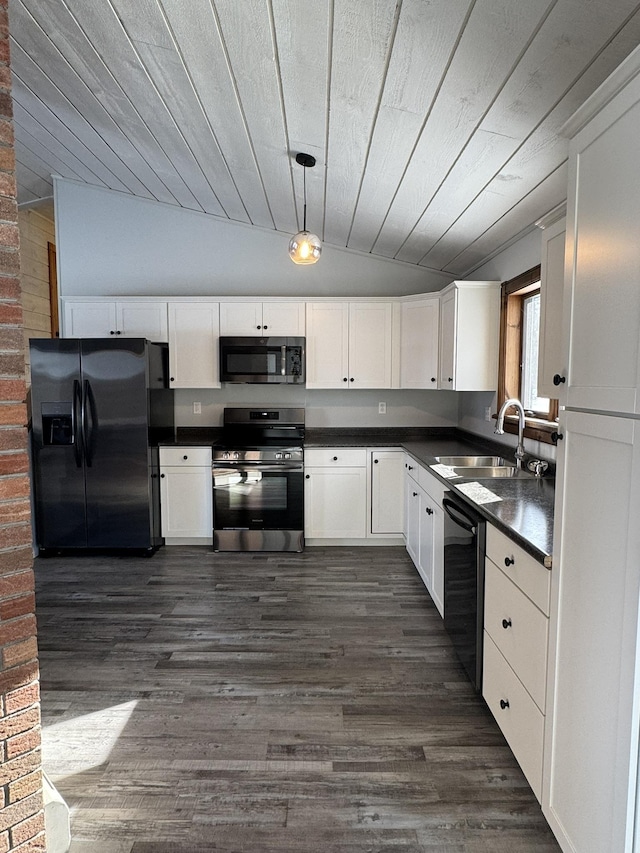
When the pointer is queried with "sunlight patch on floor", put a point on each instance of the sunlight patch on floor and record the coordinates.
(76, 745)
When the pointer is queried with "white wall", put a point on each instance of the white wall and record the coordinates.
(112, 244)
(349, 408)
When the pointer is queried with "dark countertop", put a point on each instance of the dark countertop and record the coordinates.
(524, 513)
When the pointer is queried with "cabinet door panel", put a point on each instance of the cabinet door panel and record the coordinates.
(551, 351)
(387, 489)
(370, 327)
(186, 497)
(604, 345)
(419, 344)
(193, 345)
(447, 342)
(143, 320)
(592, 709)
(283, 318)
(412, 519)
(241, 318)
(336, 503)
(89, 319)
(327, 345)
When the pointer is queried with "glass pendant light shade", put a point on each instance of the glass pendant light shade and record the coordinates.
(304, 248)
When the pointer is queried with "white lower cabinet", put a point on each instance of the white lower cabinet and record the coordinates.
(424, 528)
(387, 490)
(186, 494)
(354, 493)
(335, 493)
(516, 632)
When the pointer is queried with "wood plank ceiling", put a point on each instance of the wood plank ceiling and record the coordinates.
(435, 123)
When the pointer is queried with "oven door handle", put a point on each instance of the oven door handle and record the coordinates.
(458, 516)
(248, 468)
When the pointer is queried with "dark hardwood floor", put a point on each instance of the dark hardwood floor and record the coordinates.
(268, 702)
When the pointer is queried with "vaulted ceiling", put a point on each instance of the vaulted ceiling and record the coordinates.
(435, 123)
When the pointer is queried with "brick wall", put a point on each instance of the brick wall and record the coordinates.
(21, 815)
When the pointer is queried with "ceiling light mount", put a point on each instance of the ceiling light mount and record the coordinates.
(306, 160)
(305, 247)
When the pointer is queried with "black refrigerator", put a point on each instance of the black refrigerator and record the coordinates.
(99, 407)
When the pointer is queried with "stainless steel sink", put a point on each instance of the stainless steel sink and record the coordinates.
(487, 472)
(474, 461)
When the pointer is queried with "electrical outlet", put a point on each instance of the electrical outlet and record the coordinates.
(487, 413)
(382, 408)
(197, 408)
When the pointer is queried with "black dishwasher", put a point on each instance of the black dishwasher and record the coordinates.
(464, 548)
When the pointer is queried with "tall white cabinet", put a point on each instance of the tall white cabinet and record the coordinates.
(593, 712)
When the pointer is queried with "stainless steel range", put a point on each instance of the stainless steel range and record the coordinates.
(258, 481)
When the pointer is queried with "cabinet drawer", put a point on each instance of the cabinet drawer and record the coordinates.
(521, 721)
(185, 456)
(526, 572)
(518, 629)
(342, 457)
(412, 468)
(431, 485)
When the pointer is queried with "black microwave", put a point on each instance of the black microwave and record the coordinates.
(262, 360)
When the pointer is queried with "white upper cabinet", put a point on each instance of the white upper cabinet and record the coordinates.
(551, 367)
(284, 319)
(469, 336)
(349, 344)
(603, 258)
(419, 324)
(193, 345)
(128, 318)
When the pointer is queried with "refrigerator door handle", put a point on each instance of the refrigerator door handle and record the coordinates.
(75, 423)
(87, 423)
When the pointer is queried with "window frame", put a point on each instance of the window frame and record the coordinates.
(538, 425)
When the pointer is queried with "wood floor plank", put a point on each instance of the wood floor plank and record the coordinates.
(200, 702)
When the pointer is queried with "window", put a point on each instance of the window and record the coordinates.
(519, 340)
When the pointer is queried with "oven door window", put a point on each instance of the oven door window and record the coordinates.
(250, 499)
